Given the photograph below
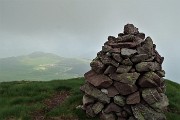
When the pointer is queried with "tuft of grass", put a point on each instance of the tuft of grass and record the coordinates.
(20, 98)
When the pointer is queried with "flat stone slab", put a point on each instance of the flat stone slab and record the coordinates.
(95, 93)
(147, 66)
(129, 78)
(128, 52)
(98, 80)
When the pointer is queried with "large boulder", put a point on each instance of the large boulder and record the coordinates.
(129, 78)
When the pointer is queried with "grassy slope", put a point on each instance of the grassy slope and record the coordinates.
(19, 99)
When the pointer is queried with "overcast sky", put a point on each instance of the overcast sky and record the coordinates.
(78, 28)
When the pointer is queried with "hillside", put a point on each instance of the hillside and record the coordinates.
(41, 66)
(58, 99)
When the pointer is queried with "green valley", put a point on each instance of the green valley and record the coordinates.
(41, 66)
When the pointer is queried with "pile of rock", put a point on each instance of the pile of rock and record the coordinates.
(126, 80)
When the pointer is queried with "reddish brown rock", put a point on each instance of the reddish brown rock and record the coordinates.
(98, 80)
(129, 78)
(112, 91)
(133, 98)
(106, 48)
(127, 62)
(110, 69)
(112, 108)
(126, 44)
(130, 29)
(125, 89)
(108, 61)
(160, 73)
(141, 35)
(115, 50)
(139, 58)
(117, 57)
(97, 66)
(158, 58)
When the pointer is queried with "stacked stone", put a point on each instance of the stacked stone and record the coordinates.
(126, 80)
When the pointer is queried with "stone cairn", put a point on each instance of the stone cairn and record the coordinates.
(126, 79)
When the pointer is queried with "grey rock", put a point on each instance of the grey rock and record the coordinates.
(98, 80)
(149, 79)
(147, 66)
(142, 112)
(97, 107)
(147, 47)
(127, 108)
(95, 93)
(128, 52)
(87, 100)
(139, 58)
(151, 95)
(161, 105)
(129, 78)
(97, 66)
(104, 91)
(119, 100)
(124, 88)
(109, 116)
(123, 69)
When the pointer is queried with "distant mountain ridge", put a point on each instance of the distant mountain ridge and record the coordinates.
(41, 66)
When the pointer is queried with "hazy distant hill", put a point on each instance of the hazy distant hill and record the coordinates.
(41, 66)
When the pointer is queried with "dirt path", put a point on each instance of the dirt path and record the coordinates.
(51, 103)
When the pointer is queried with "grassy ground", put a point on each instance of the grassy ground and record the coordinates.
(18, 100)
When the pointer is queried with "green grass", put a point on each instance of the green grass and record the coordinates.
(18, 99)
